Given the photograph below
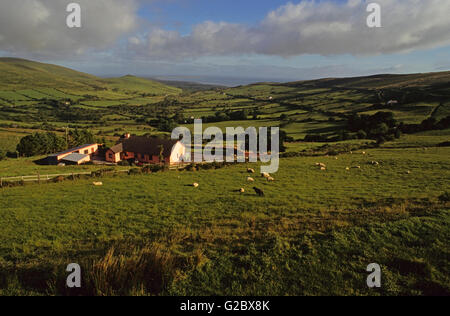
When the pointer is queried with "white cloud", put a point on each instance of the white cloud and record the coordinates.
(311, 27)
(38, 27)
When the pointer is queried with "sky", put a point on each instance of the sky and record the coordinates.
(230, 42)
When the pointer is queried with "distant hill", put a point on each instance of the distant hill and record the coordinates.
(135, 84)
(189, 85)
(383, 81)
(19, 74)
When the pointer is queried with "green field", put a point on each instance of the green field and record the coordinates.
(337, 221)
(313, 233)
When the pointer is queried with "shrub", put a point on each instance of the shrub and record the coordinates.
(124, 163)
(191, 167)
(445, 197)
(58, 179)
(2, 155)
(147, 169)
(134, 171)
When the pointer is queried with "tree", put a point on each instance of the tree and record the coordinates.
(80, 137)
(161, 154)
(40, 144)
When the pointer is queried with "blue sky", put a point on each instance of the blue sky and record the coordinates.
(247, 40)
(182, 15)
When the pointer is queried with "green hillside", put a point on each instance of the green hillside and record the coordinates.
(20, 74)
(140, 85)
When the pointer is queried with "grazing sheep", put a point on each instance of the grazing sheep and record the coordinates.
(375, 163)
(97, 184)
(323, 168)
(265, 175)
(348, 168)
(357, 167)
(270, 179)
(242, 190)
(258, 191)
(249, 179)
(195, 185)
(363, 152)
(408, 172)
(336, 158)
(321, 165)
(249, 170)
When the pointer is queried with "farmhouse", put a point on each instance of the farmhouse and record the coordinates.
(149, 150)
(76, 156)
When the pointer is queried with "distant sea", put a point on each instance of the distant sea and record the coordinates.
(216, 80)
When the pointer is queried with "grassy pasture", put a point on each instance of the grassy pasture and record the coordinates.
(307, 215)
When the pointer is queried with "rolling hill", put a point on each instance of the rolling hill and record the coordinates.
(20, 74)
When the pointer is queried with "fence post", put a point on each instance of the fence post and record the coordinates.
(39, 178)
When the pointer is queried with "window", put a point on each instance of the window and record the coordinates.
(86, 151)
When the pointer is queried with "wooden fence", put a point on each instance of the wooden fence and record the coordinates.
(39, 177)
(48, 177)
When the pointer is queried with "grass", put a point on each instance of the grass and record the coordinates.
(305, 207)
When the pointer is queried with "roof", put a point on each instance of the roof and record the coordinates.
(117, 148)
(72, 150)
(145, 145)
(75, 157)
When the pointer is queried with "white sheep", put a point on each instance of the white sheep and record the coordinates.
(249, 170)
(249, 179)
(195, 185)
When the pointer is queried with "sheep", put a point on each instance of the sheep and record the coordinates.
(270, 179)
(408, 172)
(259, 191)
(348, 168)
(321, 165)
(249, 179)
(249, 170)
(195, 185)
(97, 184)
(265, 175)
(375, 163)
(323, 168)
(363, 152)
(242, 190)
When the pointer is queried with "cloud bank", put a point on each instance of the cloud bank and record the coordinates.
(309, 27)
(113, 28)
(38, 27)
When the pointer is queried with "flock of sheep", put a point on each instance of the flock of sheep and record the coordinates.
(269, 178)
(258, 191)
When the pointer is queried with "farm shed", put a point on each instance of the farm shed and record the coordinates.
(88, 149)
(76, 159)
